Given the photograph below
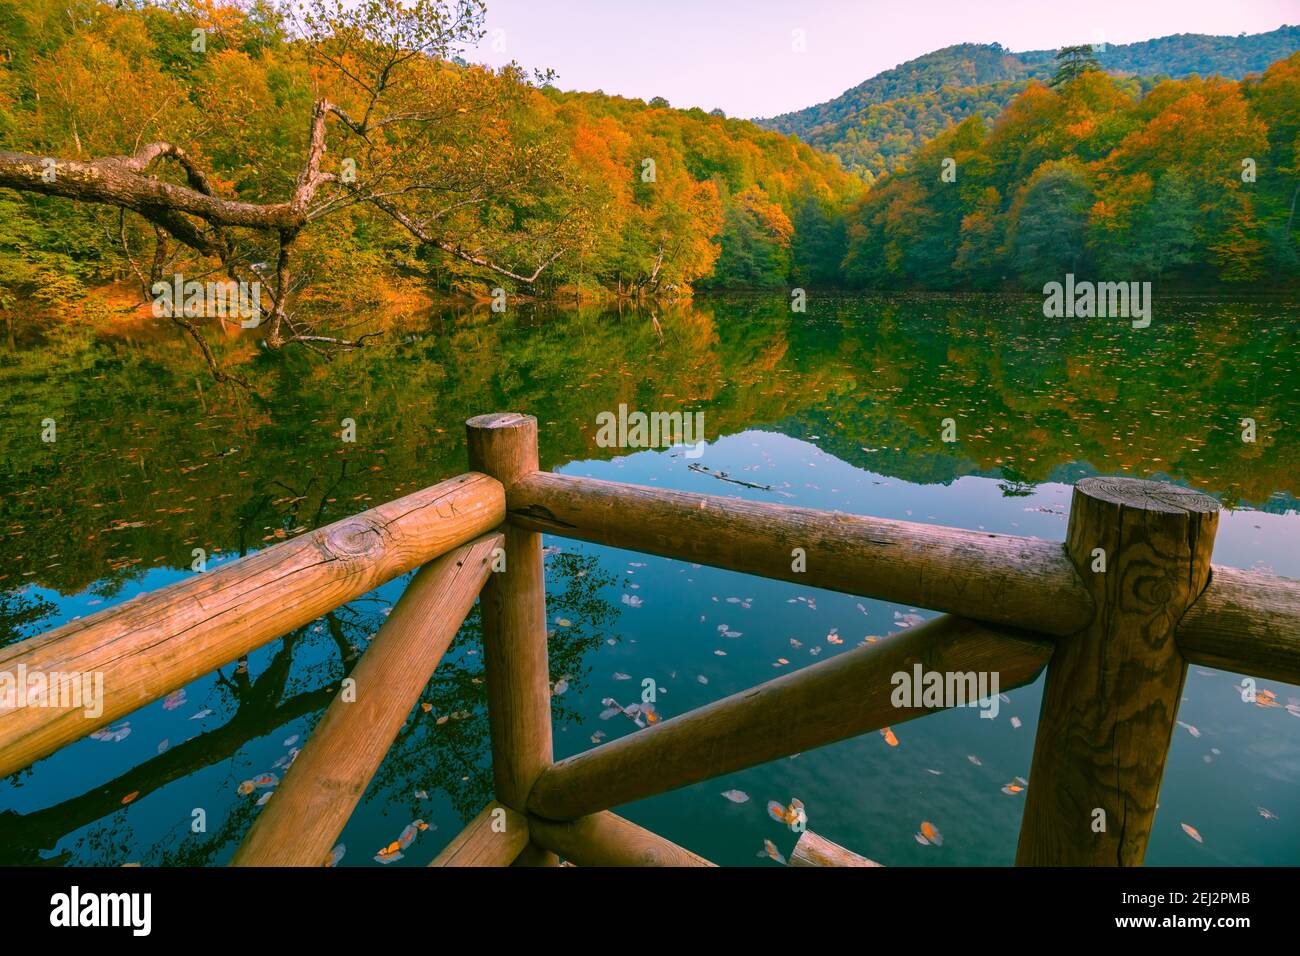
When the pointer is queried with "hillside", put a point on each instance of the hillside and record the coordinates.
(610, 195)
(1191, 184)
(874, 126)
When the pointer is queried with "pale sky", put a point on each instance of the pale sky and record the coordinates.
(738, 54)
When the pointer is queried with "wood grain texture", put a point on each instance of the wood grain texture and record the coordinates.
(160, 641)
(504, 445)
(1247, 623)
(604, 839)
(1112, 691)
(322, 787)
(487, 842)
(838, 698)
(814, 850)
(1003, 579)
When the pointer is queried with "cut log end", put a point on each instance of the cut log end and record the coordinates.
(1147, 495)
(813, 850)
(497, 420)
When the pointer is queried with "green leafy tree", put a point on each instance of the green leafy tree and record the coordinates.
(1047, 235)
(1072, 62)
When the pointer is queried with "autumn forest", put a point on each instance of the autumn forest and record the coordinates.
(433, 175)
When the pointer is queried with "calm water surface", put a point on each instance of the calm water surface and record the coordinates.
(840, 408)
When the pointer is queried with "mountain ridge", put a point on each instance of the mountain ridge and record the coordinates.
(873, 126)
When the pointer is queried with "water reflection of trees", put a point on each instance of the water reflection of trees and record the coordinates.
(151, 463)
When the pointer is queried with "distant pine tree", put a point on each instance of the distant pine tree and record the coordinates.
(1072, 62)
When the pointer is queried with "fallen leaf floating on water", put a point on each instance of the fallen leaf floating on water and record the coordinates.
(335, 855)
(163, 745)
(1015, 722)
(770, 850)
(201, 714)
(1266, 813)
(631, 600)
(619, 675)
(561, 686)
(889, 736)
(930, 833)
(261, 801)
(174, 700)
(974, 759)
(245, 788)
(736, 796)
(114, 734)
(787, 815)
(1192, 832)
(1012, 788)
(1190, 729)
(1266, 698)
(130, 796)
(290, 741)
(409, 833)
(265, 780)
(563, 622)
(426, 707)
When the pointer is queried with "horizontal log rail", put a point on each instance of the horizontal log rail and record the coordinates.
(155, 643)
(1247, 623)
(309, 809)
(819, 704)
(1003, 579)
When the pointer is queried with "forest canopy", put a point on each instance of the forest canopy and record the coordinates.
(333, 150)
(1194, 182)
(342, 154)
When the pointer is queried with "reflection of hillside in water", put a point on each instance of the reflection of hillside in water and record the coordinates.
(152, 460)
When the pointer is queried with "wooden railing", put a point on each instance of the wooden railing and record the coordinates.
(1115, 615)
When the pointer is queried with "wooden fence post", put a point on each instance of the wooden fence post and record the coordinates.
(1109, 707)
(504, 446)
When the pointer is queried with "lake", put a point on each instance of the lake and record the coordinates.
(837, 408)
